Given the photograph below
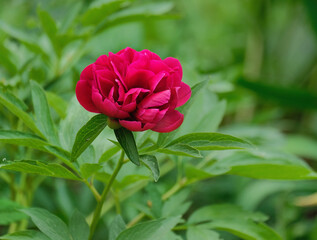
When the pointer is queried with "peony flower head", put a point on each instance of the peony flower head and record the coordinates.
(137, 89)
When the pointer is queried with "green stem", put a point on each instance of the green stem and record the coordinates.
(103, 197)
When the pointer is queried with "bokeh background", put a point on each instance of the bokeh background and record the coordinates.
(260, 57)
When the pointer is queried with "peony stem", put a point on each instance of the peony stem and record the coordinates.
(103, 197)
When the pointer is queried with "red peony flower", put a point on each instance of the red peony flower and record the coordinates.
(137, 89)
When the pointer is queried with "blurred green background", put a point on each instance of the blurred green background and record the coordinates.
(260, 57)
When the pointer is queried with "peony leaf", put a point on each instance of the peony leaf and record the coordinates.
(154, 230)
(25, 235)
(78, 226)
(210, 141)
(22, 139)
(127, 142)
(87, 134)
(18, 108)
(42, 112)
(40, 168)
(151, 163)
(181, 150)
(117, 226)
(49, 224)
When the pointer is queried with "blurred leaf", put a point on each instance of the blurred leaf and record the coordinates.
(127, 142)
(116, 227)
(266, 165)
(49, 27)
(6, 60)
(25, 235)
(30, 42)
(17, 107)
(108, 154)
(154, 230)
(88, 169)
(42, 113)
(164, 138)
(78, 227)
(203, 117)
(37, 167)
(71, 16)
(99, 10)
(302, 146)
(311, 7)
(139, 13)
(176, 205)
(23, 139)
(224, 212)
(9, 212)
(201, 233)
(235, 220)
(151, 163)
(245, 229)
(49, 224)
(195, 174)
(59, 105)
(290, 97)
(181, 150)
(210, 141)
(87, 134)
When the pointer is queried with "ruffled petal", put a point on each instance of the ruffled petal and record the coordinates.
(183, 94)
(139, 78)
(135, 125)
(156, 99)
(171, 121)
(107, 107)
(83, 94)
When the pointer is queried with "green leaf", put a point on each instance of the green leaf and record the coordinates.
(211, 141)
(9, 212)
(56, 102)
(223, 212)
(290, 97)
(49, 224)
(176, 205)
(78, 227)
(245, 229)
(87, 134)
(165, 138)
(263, 165)
(201, 233)
(36, 167)
(25, 235)
(108, 154)
(88, 169)
(138, 13)
(99, 10)
(181, 149)
(225, 217)
(127, 142)
(25, 39)
(301, 146)
(154, 230)
(18, 108)
(311, 7)
(42, 113)
(23, 139)
(151, 163)
(49, 27)
(7, 60)
(116, 227)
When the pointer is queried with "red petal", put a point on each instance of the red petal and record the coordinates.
(184, 94)
(156, 99)
(170, 122)
(135, 125)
